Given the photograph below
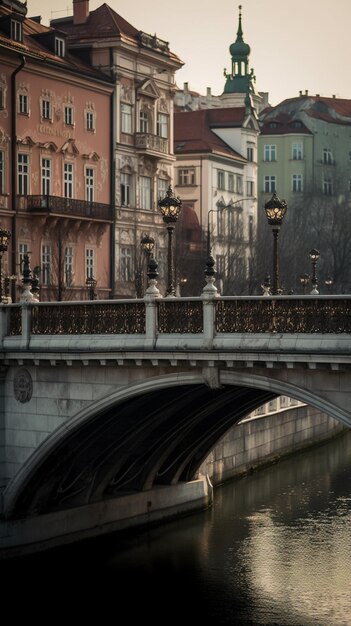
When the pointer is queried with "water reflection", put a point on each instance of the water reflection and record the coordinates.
(274, 549)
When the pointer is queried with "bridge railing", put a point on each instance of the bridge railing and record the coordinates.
(156, 319)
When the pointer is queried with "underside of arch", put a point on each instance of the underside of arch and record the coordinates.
(158, 438)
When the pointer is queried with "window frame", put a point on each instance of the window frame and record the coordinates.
(68, 114)
(23, 174)
(90, 262)
(46, 176)
(269, 183)
(46, 265)
(270, 152)
(186, 176)
(2, 173)
(126, 118)
(145, 193)
(68, 179)
(162, 125)
(89, 183)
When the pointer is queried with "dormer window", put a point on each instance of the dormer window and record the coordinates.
(60, 47)
(16, 30)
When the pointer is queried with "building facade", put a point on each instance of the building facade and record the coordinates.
(143, 68)
(55, 161)
(215, 175)
(304, 153)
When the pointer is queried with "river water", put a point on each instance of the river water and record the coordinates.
(275, 549)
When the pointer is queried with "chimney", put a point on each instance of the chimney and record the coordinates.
(80, 11)
(186, 87)
(300, 94)
(208, 91)
(306, 92)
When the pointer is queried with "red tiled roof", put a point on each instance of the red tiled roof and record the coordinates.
(192, 131)
(104, 22)
(284, 124)
(32, 47)
(331, 110)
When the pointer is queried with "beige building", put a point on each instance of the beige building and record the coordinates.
(143, 67)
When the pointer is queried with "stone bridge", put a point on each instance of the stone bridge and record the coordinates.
(110, 407)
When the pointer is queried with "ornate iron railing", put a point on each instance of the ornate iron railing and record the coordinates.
(70, 206)
(180, 316)
(306, 315)
(15, 320)
(88, 319)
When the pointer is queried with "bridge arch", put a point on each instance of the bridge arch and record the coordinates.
(155, 431)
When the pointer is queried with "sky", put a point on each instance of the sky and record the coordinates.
(295, 44)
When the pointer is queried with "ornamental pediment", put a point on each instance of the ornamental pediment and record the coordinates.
(148, 88)
(69, 147)
(92, 156)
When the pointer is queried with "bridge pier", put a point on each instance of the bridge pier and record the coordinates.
(34, 534)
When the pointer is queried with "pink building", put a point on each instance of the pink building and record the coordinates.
(55, 160)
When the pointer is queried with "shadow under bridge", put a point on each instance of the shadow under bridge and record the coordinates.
(157, 438)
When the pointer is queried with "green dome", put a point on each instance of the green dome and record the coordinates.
(239, 49)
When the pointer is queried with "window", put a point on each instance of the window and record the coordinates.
(327, 186)
(2, 172)
(2, 97)
(69, 115)
(162, 186)
(90, 120)
(59, 47)
(250, 154)
(220, 223)
(90, 263)
(220, 179)
(297, 151)
(145, 192)
(162, 125)
(327, 156)
(250, 188)
(220, 265)
(239, 184)
(126, 264)
(144, 122)
(296, 182)
(46, 109)
(68, 180)
(46, 265)
(68, 266)
(23, 104)
(270, 153)
(186, 176)
(251, 229)
(231, 221)
(231, 182)
(23, 249)
(23, 174)
(16, 30)
(46, 177)
(89, 184)
(126, 118)
(126, 180)
(269, 184)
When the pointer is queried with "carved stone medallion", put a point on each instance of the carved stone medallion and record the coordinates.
(23, 386)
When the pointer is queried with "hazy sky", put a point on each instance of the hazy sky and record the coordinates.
(295, 44)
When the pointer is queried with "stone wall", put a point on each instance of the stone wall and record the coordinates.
(260, 440)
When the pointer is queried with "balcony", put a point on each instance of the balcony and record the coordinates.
(151, 143)
(69, 206)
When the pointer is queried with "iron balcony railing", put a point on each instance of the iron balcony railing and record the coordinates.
(70, 206)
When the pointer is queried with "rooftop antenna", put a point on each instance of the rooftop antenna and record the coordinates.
(66, 10)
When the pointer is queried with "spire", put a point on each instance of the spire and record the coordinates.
(240, 79)
(239, 34)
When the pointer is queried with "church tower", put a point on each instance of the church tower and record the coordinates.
(240, 87)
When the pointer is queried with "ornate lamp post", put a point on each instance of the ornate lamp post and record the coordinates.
(147, 245)
(304, 280)
(314, 256)
(275, 210)
(91, 284)
(328, 283)
(5, 237)
(170, 208)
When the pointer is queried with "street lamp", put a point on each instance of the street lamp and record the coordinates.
(170, 208)
(304, 280)
(328, 283)
(275, 210)
(147, 245)
(5, 237)
(314, 256)
(91, 284)
(221, 208)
